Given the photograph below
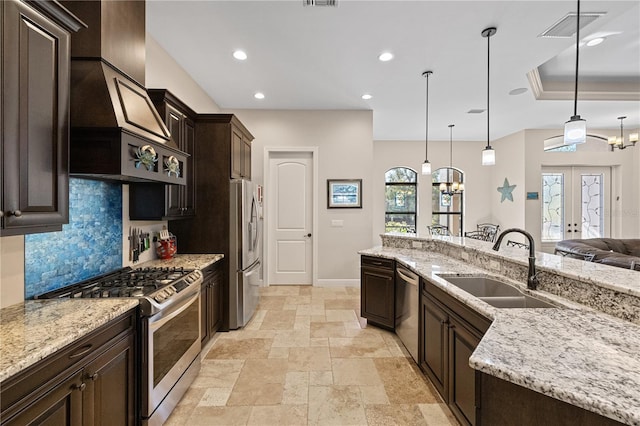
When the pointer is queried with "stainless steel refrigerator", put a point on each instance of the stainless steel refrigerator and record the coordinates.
(245, 261)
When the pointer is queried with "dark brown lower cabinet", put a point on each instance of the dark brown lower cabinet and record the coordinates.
(377, 291)
(109, 396)
(502, 403)
(61, 406)
(211, 301)
(449, 333)
(89, 382)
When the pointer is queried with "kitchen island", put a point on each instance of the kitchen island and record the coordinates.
(575, 353)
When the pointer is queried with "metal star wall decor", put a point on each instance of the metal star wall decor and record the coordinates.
(506, 191)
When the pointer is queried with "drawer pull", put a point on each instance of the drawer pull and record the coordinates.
(81, 351)
(82, 386)
(94, 377)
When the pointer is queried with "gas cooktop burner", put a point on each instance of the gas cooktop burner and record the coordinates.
(157, 284)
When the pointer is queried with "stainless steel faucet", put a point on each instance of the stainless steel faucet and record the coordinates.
(532, 279)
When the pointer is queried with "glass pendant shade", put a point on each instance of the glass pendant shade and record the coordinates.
(426, 168)
(575, 131)
(488, 156)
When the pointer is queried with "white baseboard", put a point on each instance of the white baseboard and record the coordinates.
(339, 282)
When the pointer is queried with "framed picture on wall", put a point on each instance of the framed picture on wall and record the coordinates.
(344, 193)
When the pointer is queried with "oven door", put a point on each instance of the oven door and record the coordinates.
(173, 339)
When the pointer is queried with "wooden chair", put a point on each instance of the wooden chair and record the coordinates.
(484, 232)
(511, 243)
(441, 230)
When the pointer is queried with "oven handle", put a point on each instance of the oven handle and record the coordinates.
(159, 323)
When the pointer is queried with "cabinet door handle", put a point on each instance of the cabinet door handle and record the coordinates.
(1, 213)
(81, 351)
(16, 213)
(82, 386)
(94, 377)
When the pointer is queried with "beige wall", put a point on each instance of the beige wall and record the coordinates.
(344, 141)
(510, 164)
(466, 156)
(163, 72)
(11, 270)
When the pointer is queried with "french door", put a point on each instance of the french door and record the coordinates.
(576, 203)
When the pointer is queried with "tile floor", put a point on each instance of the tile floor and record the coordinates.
(306, 358)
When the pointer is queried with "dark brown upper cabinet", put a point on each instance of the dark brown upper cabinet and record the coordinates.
(235, 142)
(148, 201)
(35, 116)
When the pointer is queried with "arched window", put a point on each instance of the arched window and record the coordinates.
(447, 207)
(401, 200)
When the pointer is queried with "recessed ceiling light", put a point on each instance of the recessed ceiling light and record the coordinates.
(240, 55)
(259, 95)
(366, 96)
(595, 41)
(385, 56)
(518, 91)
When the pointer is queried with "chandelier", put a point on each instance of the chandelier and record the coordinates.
(451, 188)
(619, 142)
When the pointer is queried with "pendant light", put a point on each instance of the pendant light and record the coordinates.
(426, 166)
(453, 187)
(488, 154)
(619, 142)
(575, 130)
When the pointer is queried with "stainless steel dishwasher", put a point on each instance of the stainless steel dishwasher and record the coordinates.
(407, 309)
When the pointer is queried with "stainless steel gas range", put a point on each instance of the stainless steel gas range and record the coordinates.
(169, 331)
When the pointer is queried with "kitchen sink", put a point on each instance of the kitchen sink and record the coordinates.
(481, 286)
(517, 302)
(495, 293)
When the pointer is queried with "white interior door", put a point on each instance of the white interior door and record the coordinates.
(576, 203)
(290, 207)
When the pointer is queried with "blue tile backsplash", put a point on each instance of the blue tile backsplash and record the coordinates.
(90, 245)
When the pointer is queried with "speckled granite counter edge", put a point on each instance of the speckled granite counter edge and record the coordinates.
(611, 290)
(187, 261)
(32, 330)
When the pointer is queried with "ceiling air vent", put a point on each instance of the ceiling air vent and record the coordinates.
(566, 27)
(332, 3)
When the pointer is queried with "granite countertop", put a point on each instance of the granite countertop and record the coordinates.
(32, 330)
(187, 261)
(574, 353)
(617, 279)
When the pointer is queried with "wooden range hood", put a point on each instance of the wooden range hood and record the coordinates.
(116, 132)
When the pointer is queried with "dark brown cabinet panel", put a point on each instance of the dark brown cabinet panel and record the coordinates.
(240, 154)
(61, 406)
(506, 404)
(433, 344)
(463, 340)
(153, 201)
(449, 333)
(110, 393)
(35, 116)
(89, 382)
(377, 291)
(211, 301)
